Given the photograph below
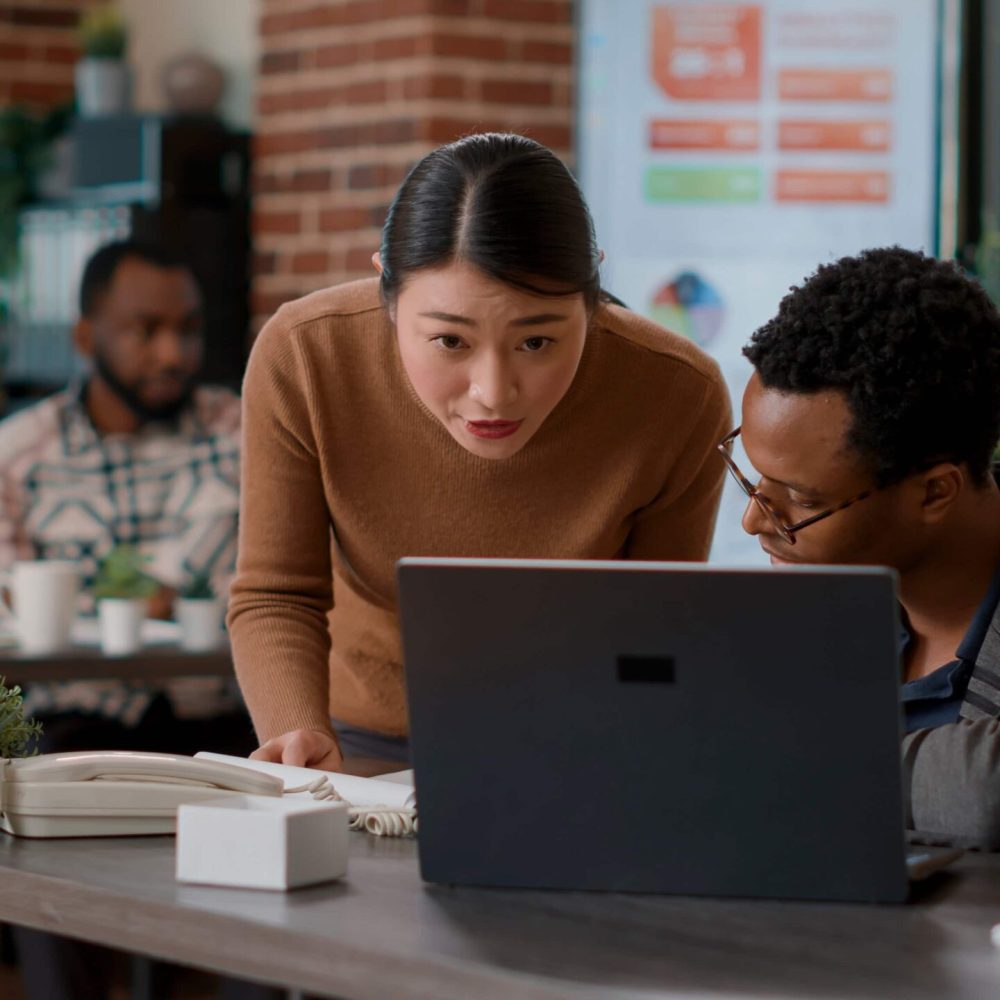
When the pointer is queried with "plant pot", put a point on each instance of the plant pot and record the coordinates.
(103, 87)
(120, 620)
(200, 620)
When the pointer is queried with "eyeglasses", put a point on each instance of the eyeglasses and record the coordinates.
(786, 531)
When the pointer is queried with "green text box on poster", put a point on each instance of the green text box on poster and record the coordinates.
(729, 184)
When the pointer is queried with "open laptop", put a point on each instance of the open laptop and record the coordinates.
(657, 727)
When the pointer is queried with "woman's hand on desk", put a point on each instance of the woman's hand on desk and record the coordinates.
(302, 748)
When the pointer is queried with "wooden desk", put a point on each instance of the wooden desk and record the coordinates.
(153, 662)
(383, 933)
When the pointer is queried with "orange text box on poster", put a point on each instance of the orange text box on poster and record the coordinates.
(707, 52)
(869, 186)
(835, 84)
(858, 136)
(680, 133)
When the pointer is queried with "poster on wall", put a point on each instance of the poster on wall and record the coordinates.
(727, 149)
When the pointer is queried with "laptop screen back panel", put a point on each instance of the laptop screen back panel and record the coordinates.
(697, 731)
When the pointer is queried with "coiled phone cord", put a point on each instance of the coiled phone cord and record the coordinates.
(381, 821)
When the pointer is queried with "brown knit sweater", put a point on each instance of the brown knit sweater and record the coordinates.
(345, 471)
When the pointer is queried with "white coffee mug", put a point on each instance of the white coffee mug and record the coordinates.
(43, 597)
(120, 622)
(201, 623)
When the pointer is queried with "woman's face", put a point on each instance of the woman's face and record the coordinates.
(490, 361)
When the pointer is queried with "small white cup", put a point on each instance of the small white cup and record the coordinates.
(43, 594)
(200, 621)
(121, 621)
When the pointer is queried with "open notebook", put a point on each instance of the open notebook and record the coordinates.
(384, 806)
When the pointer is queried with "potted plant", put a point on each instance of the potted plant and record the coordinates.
(26, 152)
(18, 736)
(121, 588)
(103, 78)
(199, 612)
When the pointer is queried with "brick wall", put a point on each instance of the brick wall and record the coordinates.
(38, 49)
(352, 92)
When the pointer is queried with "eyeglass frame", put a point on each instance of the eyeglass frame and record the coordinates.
(787, 531)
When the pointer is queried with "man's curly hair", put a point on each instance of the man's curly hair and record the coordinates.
(911, 342)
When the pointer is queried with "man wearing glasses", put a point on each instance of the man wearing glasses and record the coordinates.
(868, 433)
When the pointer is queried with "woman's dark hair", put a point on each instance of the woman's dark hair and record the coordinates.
(911, 342)
(502, 203)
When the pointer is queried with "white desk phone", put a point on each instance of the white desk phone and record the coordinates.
(114, 793)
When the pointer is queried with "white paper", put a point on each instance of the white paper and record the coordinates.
(357, 791)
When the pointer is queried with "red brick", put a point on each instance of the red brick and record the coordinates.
(401, 47)
(320, 16)
(557, 137)
(295, 100)
(338, 220)
(12, 52)
(339, 14)
(301, 182)
(441, 130)
(433, 86)
(516, 92)
(27, 14)
(275, 143)
(387, 132)
(365, 92)
(396, 130)
(364, 11)
(451, 8)
(267, 223)
(375, 175)
(336, 137)
(280, 62)
(339, 232)
(267, 303)
(64, 55)
(338, 55)
(359, 258)
(36, 92)
(550, 53)
(536, 11)
(311, 262)
(367, 11)
(469, 47)
(412, 8)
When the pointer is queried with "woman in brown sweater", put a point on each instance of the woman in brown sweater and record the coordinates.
(481, 398)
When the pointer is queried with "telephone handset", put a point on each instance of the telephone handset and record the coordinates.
(114, 792)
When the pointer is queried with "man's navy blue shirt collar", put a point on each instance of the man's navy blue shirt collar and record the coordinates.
(936, 699)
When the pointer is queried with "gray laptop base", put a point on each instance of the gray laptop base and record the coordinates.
(653, 727)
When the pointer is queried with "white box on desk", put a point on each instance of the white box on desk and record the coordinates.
(259, 842)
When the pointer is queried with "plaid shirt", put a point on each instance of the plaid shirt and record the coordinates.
(171, 490)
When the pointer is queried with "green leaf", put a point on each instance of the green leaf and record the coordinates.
(198, 588)
(120, 575)
(103, 33)
(18, 736)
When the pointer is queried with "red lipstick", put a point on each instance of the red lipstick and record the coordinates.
(492, 429)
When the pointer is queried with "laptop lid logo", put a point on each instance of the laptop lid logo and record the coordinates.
(646, 669)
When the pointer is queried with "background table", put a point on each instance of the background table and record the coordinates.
(152, 662)
(383, 933)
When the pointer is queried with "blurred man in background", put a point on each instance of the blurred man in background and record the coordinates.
(134, 453)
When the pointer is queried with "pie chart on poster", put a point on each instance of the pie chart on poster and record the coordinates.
(690, 306)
